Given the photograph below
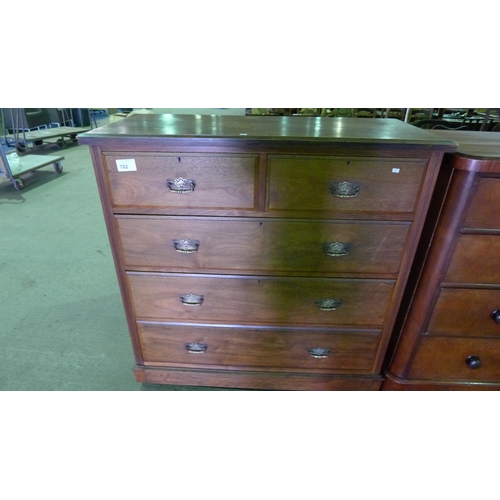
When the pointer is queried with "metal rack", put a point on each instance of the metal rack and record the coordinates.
(29, 163)
(20, 135)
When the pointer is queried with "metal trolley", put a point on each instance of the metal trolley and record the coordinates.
(29, 163)
(34, 129)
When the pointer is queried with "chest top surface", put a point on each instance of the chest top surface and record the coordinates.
(474, 145)
(267, 128)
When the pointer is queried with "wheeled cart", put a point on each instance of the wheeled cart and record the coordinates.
(39, 127)
(24, 139)
(14, 169)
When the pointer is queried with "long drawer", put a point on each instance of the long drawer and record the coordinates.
(182, 181)
(261, 246)
(332, 184)
(265, 348)
(467, 312)
(476, 259)
(260, 299)
(452, 359)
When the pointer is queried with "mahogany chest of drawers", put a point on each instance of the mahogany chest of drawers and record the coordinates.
(263, 252)
(450, 338)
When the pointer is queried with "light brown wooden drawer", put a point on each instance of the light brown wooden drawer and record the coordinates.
(483, 212)
(306, 183)
(260, 300)
(476, 259)
(445, 358)
(220, 181)
(264, 348)
(466, 312)
(261, 246)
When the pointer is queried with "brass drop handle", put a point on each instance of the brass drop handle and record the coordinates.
(345, 189)
(191, 299)
(319, 352)
(196, 348)
(496, 316)
(336, 249)
(328, 304)
(186, 246)
(181, 185)
(473, 362)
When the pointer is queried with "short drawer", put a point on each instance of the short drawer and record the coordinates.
(254, 348)
(476, 259)
(334, 184)
(260, 300)
(261, 246)
(466, 312)
(483, 211)
(453, 358)
(183, 181)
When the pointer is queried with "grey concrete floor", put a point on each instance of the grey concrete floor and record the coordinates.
(62, 325)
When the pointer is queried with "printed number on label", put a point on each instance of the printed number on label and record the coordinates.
(126, 165)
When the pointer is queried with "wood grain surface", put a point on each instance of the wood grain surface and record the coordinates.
(352, 351)
(253, 246)
(260, 300)
(222, 181)
(385, 185)
(445, 358)
(465, 312)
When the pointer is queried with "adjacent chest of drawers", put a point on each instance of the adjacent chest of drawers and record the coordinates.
(263, 252)
(450, 338)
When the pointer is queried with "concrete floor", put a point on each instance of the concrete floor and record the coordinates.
(63, 326)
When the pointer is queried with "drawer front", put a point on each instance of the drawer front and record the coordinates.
(212, 182)
(260, 300)
(289, 349)
(476, 259)
(445, 358)
(170, 244)
(469, 312)
(344, 185)
(483, 212)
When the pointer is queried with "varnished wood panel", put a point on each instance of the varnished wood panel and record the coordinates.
(476, 151)
(262, 246)
(465, 312)
(392, 383)
(476, 259)
(282, 349)
(445, 358)
(385, 185)
(221, 181)
(260, 300)
(483, 212)
(201, 129)
(253, 379)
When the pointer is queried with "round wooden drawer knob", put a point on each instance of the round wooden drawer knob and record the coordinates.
(496, 316)
(473, 362)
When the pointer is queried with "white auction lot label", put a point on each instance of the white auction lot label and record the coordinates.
(126, 165)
